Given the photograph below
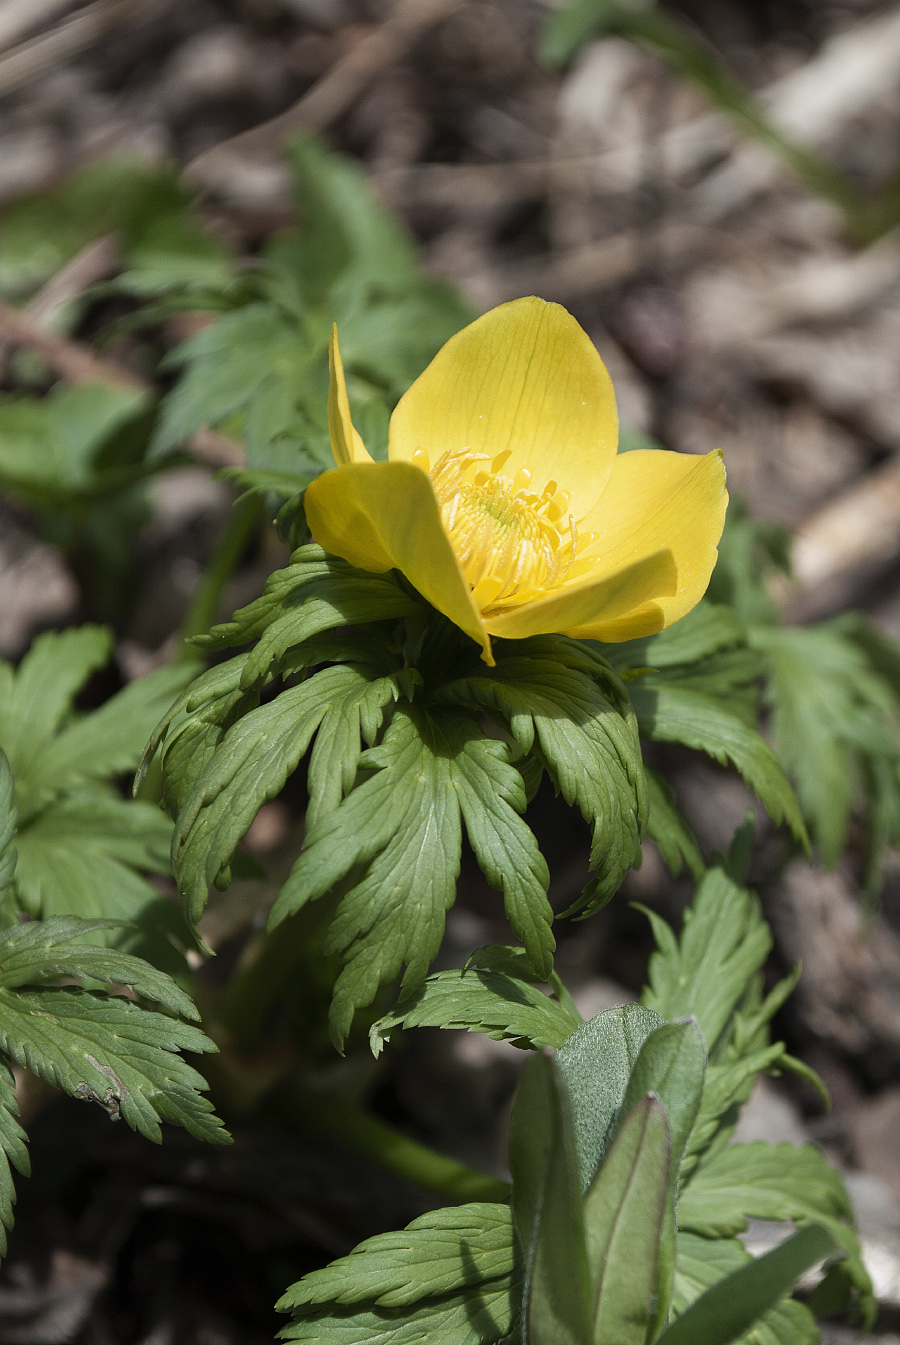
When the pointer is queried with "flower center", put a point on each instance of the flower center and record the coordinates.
(512, 543)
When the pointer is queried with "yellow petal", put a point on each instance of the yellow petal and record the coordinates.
(657, 499)
(606, 598)
(523, 378)
(382, 516)
(346, 444)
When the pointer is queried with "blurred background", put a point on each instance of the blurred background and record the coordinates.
(736, 260)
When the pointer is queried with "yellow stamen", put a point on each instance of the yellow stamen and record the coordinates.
(513, 544)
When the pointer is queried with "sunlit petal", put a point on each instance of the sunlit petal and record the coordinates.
(604, 599)
(346, 444)
(382, 516)
(656, 499)
(526, 380)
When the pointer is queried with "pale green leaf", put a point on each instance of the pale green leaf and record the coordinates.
(547, 1209)
(830, 713)
(596, 1062)
(37, 697)
(114, 1052)
(500, 1006)
(702, 1262)
(724, 1312)
(109, 740)
(83, 856)
(439, 1253)
(624, 1210)
(668, 712)
(668, 829)
(782, 1182)
(707, 629)
(704, 974)
(483, 1316)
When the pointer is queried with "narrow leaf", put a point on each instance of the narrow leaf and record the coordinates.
(623, 1214)
(734, 1304)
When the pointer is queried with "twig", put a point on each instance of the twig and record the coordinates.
(850, 539)
(568, 274)
(75, 363)
(93, 263)
(18, 17)
(331, 96)
(69, 38)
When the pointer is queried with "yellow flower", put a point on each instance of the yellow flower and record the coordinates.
(504, 502)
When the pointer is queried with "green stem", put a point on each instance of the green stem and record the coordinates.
(417, 1163)
(201, 614)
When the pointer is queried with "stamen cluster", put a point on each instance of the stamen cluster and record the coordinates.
(513, 544)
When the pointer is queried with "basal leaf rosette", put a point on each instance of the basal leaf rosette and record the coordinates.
(504, 501)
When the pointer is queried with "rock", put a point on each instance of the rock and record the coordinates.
(849, 994)
(874, 1134)
(771, 1117)
(36, 588)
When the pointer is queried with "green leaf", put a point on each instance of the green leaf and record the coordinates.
(403, 825)
(830, 713)
(110, 740)
(671, 833)
(82, 850)
(573, 24)
(750, 553)
(113, 1052)
(345, 227)
(623, 1215)
(704, 974)
(42, 950)
(702, 1262)
(440, 1253)
(730, 1307)
(38, 696)
(789, 1323)
(483, 1316)
(52, 448)
(706, 630)
(566, 706)
(672, 713)
(344, 599)
(547, 1209)
(671, 1066)
(251, 764)
(7, 853)
(82, 856)
(177, 252)
(761, 1181)
(596, 1063)
(40, 233)
(241, 359)
(13, 1152)
(500, 1006)
(491, 797)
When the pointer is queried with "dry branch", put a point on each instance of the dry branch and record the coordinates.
(18, 17)
(77, 364)
(330, 97)
(70, 38)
